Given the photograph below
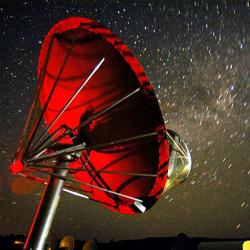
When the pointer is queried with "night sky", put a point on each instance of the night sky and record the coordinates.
(197, 56)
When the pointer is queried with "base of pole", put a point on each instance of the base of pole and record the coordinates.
(46, 210)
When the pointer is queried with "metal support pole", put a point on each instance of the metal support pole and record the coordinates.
(46, 210)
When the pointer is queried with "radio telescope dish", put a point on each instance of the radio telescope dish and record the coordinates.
(95, 123)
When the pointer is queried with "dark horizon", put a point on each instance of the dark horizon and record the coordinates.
(179, 242)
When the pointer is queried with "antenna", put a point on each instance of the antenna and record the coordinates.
(95, 128)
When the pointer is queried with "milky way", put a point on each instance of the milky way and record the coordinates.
(197, 56)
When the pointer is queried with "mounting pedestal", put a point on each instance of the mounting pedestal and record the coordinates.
(46, 210)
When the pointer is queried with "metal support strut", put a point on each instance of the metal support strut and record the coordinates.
(46, 210)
